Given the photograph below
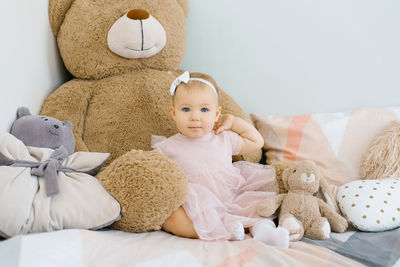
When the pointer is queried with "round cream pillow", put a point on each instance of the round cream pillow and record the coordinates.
(371, 205)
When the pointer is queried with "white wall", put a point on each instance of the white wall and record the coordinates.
(278, 57)
(29, 62)
(298, 56)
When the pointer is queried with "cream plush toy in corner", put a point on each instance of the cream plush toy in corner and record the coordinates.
(300, 211)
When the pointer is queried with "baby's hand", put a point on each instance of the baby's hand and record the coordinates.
(225, 122)
(251, 138)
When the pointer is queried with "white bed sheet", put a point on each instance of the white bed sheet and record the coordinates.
(117, 248)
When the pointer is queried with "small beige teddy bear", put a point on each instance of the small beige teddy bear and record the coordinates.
(302, 213)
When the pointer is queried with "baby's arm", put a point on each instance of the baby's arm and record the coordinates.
(252, 139)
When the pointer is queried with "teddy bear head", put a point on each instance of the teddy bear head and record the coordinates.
(303, 176)
(100, 38)
(42, 131)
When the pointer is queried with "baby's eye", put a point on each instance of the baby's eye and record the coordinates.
(204, 109)
(185, 109)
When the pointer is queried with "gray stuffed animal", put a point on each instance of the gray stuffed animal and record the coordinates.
(42, 131)
(45, 185)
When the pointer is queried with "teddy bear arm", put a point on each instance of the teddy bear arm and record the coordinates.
(79, 144)
(268, 206)
(336, 221)
(148, 186)
(70, 102)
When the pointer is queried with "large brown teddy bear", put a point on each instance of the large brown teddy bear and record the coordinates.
(123, 56)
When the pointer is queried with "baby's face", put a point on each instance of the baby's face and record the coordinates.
(195, 110)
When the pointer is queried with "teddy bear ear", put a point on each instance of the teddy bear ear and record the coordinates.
(185, 6)
(326, 193)
(57, 11)
(285, 177)
(23, 111)
(68, 124)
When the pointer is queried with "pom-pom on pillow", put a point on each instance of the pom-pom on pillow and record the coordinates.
(371, 205)
(336, 142)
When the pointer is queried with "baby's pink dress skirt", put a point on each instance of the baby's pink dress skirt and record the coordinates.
(217, 200)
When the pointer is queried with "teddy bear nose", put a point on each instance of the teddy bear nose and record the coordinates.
(138, 14)
(56, 126)
(307, 177)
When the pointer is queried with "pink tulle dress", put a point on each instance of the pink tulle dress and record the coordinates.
(220, 193)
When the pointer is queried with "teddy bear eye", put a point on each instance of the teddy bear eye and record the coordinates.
(46, 119)
(294, 171)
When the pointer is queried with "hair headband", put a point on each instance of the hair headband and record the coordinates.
(185, 78)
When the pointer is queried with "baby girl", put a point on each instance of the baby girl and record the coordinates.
(222, 198)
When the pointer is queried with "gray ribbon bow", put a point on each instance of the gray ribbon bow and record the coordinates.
(47, 169)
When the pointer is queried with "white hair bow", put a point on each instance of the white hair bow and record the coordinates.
(185, 78)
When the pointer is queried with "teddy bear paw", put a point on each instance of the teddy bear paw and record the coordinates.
(319, 229)
(294, 227)
(326, 229)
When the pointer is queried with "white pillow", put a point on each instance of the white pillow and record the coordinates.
(371, 205)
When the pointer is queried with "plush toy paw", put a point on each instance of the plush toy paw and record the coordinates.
(266, 207)
(294, 226)
(340, 225)
(326, 229)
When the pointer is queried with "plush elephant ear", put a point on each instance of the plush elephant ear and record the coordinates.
(325, 192)
(57, 11)
(185, 6)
